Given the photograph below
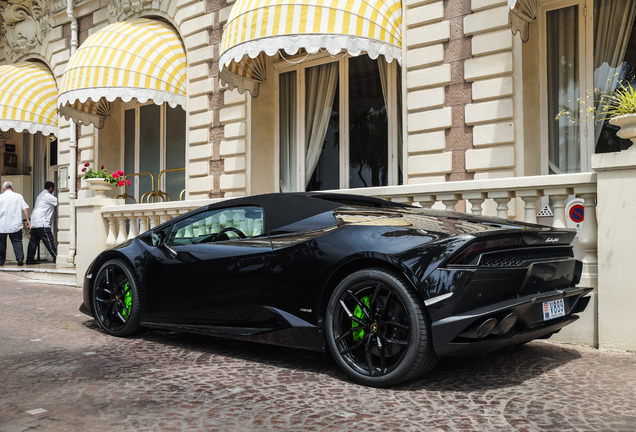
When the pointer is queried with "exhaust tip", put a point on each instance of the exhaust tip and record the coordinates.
(486, 327)
(507, 323)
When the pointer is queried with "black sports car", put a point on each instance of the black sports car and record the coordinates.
(385, 288)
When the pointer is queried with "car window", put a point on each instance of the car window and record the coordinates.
(233, 223)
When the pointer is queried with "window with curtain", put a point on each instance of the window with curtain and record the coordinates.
(322, 154)
(368, 152)
(333, 126)
(154, 142)
(614, 63)
(576, 76)
(564, 143)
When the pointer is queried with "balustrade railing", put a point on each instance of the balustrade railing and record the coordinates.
(130, 220)
(506, 195)
(516, 197)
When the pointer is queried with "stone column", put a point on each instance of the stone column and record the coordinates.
(92, 230)
(616, 208)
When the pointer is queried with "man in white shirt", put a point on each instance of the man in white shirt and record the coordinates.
(43, 209)
(12, 205)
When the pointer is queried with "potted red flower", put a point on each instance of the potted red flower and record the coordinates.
(101, 181)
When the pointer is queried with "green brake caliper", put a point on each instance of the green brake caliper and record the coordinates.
(357, 312)
(127, 300)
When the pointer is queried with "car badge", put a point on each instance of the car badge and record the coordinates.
(552, 240)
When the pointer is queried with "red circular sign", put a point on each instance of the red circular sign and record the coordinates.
(576, 213)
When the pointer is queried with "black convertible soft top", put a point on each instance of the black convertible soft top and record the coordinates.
(282, 209)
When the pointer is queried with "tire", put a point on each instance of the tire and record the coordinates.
(116, 298)
(377, 329)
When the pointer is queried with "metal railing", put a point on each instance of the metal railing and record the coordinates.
(163, 194)
(155, 194)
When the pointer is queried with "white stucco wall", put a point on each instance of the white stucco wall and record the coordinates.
(616, 249)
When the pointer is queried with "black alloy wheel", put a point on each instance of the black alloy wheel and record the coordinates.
(116, 299)
(378, 330)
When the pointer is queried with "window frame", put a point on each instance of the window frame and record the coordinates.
(125, 106)
(586, 78)
(299, 63)
(198, 217)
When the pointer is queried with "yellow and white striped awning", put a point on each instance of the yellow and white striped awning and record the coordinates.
(28, 93)
(142, 59)
(255, 27)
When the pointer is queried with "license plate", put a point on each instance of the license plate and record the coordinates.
(553, 309)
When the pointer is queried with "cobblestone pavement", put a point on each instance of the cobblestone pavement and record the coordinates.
(59, 372)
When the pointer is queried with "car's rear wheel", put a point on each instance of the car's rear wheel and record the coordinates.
(116, 298)
(378, 330)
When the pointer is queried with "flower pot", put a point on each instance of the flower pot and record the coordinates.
(627, 125)
(99, 186)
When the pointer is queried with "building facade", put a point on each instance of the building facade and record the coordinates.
(472, 105)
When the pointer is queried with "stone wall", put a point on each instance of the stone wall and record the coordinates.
(459, 90)
(217, 118)
(427, 74)
(616, 250)
(491, 73)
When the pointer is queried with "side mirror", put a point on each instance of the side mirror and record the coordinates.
(157, 239)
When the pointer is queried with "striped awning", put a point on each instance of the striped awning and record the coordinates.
(521, 14)
(28, 93)
(267, 27)
(142, 59)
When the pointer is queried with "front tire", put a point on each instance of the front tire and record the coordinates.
(116, 298)
(377, 329)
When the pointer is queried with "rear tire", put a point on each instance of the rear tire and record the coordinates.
(377, 329)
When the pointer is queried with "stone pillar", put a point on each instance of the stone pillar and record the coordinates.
(92, 230)
(426, 74)
(492, 111)
(585, 331)
(616, 207)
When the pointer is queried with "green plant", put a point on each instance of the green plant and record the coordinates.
(622, 101)
(116, 179)
(600, 105)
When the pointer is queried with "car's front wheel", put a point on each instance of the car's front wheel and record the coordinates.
(378, 330)
(116, 298)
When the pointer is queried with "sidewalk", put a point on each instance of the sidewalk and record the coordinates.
(61, 373)
(45, 271)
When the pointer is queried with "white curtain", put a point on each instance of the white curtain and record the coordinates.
(288, 146)
(563, 78)
(321, 83)
(613, 21)
(384, 80)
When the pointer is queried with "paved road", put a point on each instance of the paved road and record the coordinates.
(60, 373)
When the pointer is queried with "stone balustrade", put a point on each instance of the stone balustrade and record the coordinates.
(502, 197)
(496, 197)
(128, 221)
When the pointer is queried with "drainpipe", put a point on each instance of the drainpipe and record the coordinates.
(72, 193)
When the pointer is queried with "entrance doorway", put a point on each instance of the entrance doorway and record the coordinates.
(28, 161)
(43, 164)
